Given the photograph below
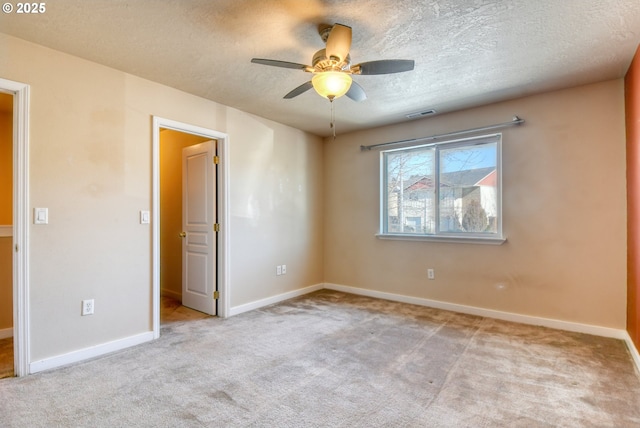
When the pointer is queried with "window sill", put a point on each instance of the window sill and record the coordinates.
(450, 239)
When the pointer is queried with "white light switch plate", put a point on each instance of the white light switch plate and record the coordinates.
(40, 215)
(145, 217)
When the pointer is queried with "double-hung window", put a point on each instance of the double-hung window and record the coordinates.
(443, 191)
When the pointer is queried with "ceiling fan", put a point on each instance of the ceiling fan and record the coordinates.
(332, 67)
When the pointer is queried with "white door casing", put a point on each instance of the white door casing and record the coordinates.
(198, 219)
(21, 316)
(223, 262)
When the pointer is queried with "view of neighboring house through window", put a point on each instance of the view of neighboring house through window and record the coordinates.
(444, 189)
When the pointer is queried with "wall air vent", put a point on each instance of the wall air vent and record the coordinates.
(418, 114)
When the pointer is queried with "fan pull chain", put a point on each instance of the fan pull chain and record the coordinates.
(333, 119)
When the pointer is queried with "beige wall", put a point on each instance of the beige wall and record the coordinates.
(564, 213)
(276, 208)
(90, 164)
(171, 145)
(6, 204)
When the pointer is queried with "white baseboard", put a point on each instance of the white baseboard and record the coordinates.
(170, 293)
(91, 352)
(471, 310)
(633, 351)
(275, 299)
(489, 313)
(506, 316)
(6, 332)
(117, 345)
(98, 350)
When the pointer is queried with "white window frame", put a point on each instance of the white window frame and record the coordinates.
(438, 236)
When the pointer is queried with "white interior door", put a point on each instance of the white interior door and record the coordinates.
(198, 219)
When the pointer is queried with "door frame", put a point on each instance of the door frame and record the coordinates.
(222, 271)
(21, 338)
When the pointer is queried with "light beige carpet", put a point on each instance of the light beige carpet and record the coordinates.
(330, 359)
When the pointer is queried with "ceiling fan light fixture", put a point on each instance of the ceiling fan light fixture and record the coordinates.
(331, 84)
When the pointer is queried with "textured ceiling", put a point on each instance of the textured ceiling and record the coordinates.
(467, 52)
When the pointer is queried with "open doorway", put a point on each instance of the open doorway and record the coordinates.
(170, 138)
(19, 248)
(172, 236)
(6, 236)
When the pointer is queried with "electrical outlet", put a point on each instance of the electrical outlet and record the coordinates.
(431, 274)
(87, 307)
(278, 270)
(284, 269)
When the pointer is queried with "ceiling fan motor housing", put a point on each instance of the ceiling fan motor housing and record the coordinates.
(321, 63)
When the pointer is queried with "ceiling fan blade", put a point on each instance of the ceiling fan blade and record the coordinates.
(339, 42)
(385, 66)
(356, 93)
(276, 63)
(299, 90)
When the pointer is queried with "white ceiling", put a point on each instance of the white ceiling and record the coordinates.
(467, 52)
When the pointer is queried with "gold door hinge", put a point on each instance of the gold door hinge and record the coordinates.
(216, 227)
(216, 159)
(216, 295)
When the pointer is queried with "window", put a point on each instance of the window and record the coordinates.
(443, 191)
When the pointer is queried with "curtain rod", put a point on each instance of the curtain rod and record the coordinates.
(516, 121)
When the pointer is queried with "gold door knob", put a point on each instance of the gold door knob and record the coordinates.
(182, 234)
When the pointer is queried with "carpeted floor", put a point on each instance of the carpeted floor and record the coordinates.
(331, 359)
(171, 310)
